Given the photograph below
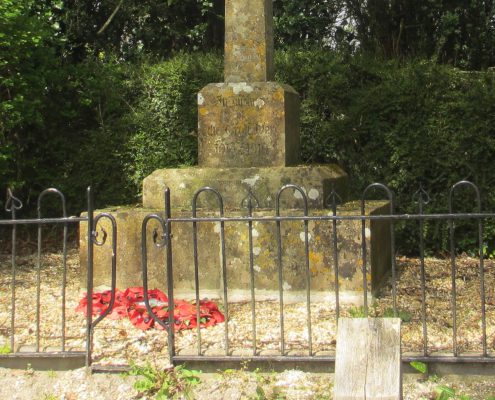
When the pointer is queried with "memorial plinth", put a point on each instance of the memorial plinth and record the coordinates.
(248, 125)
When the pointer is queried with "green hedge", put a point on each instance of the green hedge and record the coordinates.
(110, 124)
(403, 125)
(164, 116)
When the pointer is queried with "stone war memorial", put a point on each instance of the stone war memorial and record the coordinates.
(248, 143)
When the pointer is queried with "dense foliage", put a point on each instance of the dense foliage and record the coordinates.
(27, 64)
(446, 31)
(131, 28)
(164, 118)
(419, 124)
(102, 93)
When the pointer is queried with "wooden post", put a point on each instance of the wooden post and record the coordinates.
(368, 363)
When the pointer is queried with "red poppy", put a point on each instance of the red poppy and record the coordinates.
(131, 304)
(141, 320)
(118, 312)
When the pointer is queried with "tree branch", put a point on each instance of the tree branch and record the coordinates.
(110, 18)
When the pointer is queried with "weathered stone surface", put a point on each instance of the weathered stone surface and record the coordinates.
(248, 125)
(248, 41)
(128, 254)
(264, 248)
(234, 184)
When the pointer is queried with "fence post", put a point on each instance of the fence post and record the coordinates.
(368, 360)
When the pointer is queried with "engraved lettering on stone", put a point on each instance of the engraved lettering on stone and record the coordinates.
(237, 101)
(244, 121)
(220, 147)
(212, 130)
(250, 129)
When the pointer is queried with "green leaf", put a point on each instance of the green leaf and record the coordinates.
(419, 366)
(161, 396)
(444, 392)
(143, 385)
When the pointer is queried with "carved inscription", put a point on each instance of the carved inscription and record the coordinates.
(243, 149)
(236, 132)
(244, 124)
(237, 101)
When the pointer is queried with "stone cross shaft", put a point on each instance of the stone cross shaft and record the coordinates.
(249, 41)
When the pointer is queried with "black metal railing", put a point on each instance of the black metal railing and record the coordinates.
(13, 206)
(333, 219)
(97, 236)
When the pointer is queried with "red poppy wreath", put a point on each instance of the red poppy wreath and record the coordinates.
(131, 304)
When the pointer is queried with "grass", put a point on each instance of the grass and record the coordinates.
(359, 312)
(170, 383)
(442, 392)
(5, 349)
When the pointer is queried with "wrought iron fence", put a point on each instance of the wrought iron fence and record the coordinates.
(13, 206)
(252, 349)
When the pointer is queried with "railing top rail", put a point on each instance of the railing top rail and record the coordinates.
(43, 221)
(331, 217)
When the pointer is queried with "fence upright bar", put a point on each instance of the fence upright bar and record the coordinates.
(64, 265)
(170, 277)
(64, 273)
(196, 272)
(421, 202)
(224, 279)
(223, 261)
(453, 273)
(38, 286)
(482, 289)
(249, 205)
(390, 198)
(89, 282)
(364, 259)
(481, 271)
(307, 272)
(393, 261)
(13, 204)
(280, 275)
(481, 260)
(334, 197)
(13, 261)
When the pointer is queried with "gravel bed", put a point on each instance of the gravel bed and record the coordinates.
(118, 342)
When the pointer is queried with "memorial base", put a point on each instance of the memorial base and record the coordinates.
(237, 253)
(235, 183)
